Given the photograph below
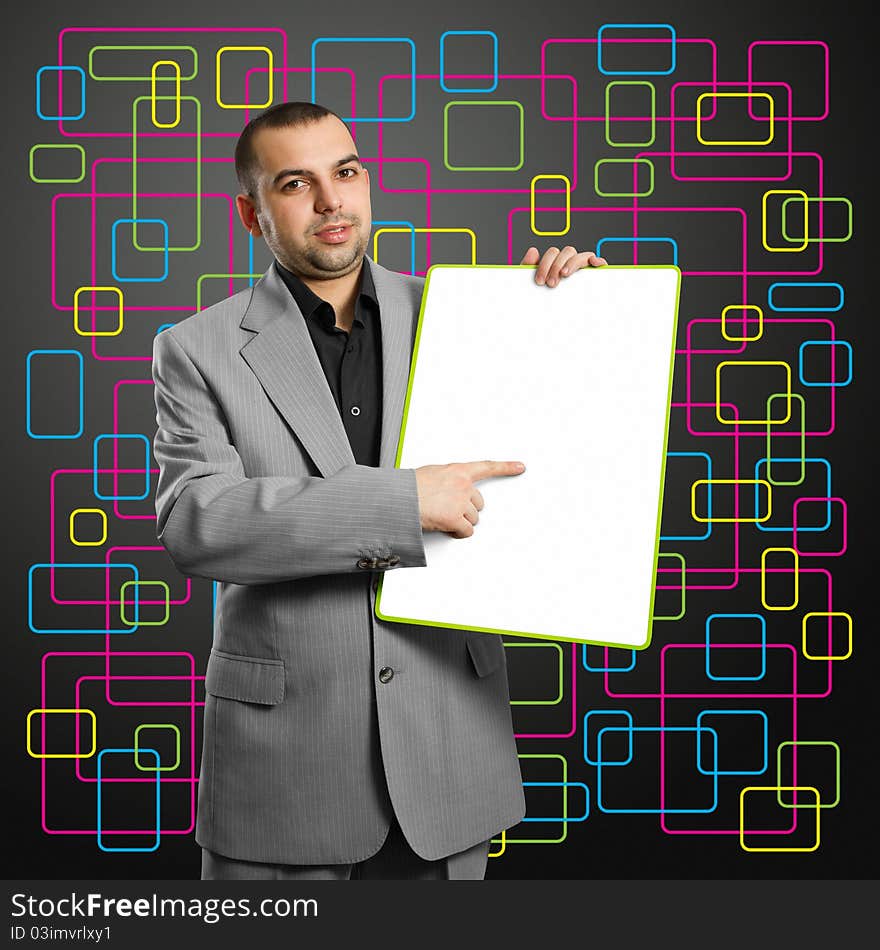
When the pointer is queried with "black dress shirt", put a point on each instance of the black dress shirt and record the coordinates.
(352, 362)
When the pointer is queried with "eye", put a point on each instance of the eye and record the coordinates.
(291, 183)
(348, 172)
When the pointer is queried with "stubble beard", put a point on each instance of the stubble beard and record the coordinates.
(310, 260)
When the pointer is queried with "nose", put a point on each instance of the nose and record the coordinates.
(327, 198)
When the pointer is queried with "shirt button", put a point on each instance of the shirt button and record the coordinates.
(386, 674)
(350, 350)
(355, 411)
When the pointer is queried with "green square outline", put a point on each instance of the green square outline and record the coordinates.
(811, 742)
(608, 118)
(157, 725)
(623, 194)
(561, 687)
(57, 181)
(406, 404)
(681, 560)
(482, 168)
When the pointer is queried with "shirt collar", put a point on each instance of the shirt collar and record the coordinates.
(309, 302)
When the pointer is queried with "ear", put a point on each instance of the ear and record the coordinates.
(247, 212)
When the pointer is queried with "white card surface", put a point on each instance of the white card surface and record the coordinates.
(575, 381)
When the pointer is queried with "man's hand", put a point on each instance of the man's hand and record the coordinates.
(448, 498)
(556, 264)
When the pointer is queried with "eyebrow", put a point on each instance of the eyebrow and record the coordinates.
(305, 171)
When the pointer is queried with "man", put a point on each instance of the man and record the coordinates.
(335, 745)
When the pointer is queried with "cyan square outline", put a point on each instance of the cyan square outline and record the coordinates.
(607, 712)
(371, 39)
(412, 235)
(803, 462)
(708, 532)
(120, 435)
(657, 811)
(103, 565)
(639, 240)
(636, 26)
(734, 712)
(607, 669)
(826, 385)
(139, 280)
(738, 679)
(804, 283)
(565, 785)
(62, 118)
(79, 431)
(158, 801)
(443, 36)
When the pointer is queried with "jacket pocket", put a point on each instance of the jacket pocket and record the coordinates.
(486, 651)
(245, 678)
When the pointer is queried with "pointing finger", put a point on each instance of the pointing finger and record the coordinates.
(492, 469)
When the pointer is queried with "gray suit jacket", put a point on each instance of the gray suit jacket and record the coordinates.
(258, 489)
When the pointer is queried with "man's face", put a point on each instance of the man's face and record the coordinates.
(312, 200)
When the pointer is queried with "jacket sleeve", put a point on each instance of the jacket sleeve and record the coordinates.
(218, 523)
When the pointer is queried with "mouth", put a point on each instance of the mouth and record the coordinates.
(334, 233)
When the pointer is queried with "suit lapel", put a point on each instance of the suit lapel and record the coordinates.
(283, 358)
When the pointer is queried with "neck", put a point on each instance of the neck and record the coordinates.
(340, 292)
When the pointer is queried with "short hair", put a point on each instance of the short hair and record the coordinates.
(280, 116)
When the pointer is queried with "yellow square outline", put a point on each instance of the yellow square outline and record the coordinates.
(567, 228)
(115, 332)
(731, 481)
(62, 755)
(244, 105)
(756, 422)
(734, 95)
(826, 613)
(176, 97)
(785, 250)
(764, 554)
(92, 511)
(780, 788)
(742, 339)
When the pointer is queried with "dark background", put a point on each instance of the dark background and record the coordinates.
(605, 845)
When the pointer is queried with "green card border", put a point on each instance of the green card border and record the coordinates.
(524, 633)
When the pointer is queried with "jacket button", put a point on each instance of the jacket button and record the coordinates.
(386, 674)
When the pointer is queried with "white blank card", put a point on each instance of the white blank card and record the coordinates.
(575, 381)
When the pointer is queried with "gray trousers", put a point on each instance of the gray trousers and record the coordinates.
(395, 860)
